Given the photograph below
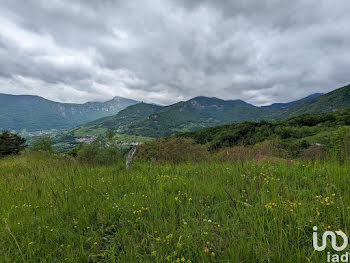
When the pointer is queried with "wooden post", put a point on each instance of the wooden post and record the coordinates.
(131, 156)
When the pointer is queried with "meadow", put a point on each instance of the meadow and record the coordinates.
(56, 209)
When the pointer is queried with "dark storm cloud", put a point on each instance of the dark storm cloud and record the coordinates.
(165, 50)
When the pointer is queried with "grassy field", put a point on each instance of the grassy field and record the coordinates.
(54, 209)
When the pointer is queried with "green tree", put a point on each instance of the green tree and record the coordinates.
(339, 144)
(42, 144)
(11, 143)
(110, 135)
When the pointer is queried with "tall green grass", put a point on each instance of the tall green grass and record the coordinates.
(54, 209)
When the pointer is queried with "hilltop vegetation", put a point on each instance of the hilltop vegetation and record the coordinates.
(294, 134)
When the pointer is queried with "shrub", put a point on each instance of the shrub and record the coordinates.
(235, 154)
(42, 144)
(272, 148)
(173, 150)
(313, 153)
(98, 155)
(74, 151)
(11, 143)
(339, 144)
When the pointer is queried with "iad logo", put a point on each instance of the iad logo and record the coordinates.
(333, 240)
(333, 237)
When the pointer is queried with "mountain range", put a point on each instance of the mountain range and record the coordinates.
(149, 120)
(140, 121)
(34, 113)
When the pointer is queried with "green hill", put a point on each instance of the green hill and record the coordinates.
(297, 132)
(125, 117)
(204, 112)
(332, 101)
(146, 120)
(33, 113)
(194, 114)
(118, 122)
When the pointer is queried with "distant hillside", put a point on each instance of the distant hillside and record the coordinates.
(204, 112)
(34, 113)
(99, 127)
(143, 120)
(296, 132)
(293, 103)
(332, 101)
(194, 114)
(118, 122)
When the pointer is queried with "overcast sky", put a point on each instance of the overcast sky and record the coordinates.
(163, 51)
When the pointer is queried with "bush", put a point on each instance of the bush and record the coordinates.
(273, 148)
(174, 150)
(313, 153)
(98, 155)
(42, 144)
(235, 154)
(74, 151)
(339, 144)
(11, 143)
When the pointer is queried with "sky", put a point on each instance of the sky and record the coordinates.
(165, 51)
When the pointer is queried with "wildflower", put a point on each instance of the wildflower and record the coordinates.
(333, 194)
(168, 258)
(177, 260)
(176, 198)
(219, 225)
(212, 254)
(183, 259)
(51, 230)
(209, 221)
(158, 239)
(329, 227)
(206, 250)
(62, 245)
(169, 236)
(190, 199)
(95, 243)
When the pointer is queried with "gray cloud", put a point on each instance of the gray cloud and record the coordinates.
(164, 51)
